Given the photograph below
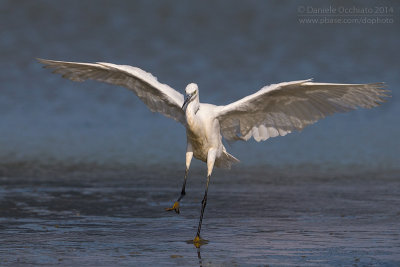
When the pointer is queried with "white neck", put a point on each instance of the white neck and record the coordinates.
(191, 110)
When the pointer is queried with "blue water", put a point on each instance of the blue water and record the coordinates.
(230, 49)
(325, 196)
(253, 218)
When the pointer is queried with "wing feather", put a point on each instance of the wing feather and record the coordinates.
(157, 96)
(279, 109)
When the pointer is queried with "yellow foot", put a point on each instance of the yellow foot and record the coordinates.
(198, 242)
(175, 207)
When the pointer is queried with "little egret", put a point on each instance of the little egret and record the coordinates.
(275, 110)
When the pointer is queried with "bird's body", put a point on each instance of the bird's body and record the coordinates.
(274, 110)
(203, 133)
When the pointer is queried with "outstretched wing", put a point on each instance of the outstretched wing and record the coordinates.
(279, 109)
(157, 96)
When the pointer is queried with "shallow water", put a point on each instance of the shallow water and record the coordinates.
(252, 219)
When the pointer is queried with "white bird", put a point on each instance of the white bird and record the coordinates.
(275, 110)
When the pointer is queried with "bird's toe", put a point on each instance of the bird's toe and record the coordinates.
(198, 242)
(175, 207)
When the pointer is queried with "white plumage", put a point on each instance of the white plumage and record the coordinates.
(279, 109)
(275, 110)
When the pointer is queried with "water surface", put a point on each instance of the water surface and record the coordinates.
(252, 218)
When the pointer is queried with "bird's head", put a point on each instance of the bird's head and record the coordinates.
(192, 92)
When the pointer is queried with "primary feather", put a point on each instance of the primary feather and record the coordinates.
(279, 109)
(157, 96)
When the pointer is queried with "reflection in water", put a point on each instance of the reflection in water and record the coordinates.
(199, 257)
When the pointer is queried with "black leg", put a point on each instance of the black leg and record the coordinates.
(212, 153)
(203, 206)
(199, 257)
(175, 207)
(183, 192)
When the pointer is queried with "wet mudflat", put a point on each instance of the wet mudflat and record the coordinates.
(252, 218)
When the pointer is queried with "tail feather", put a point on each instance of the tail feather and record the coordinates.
(226, 160)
